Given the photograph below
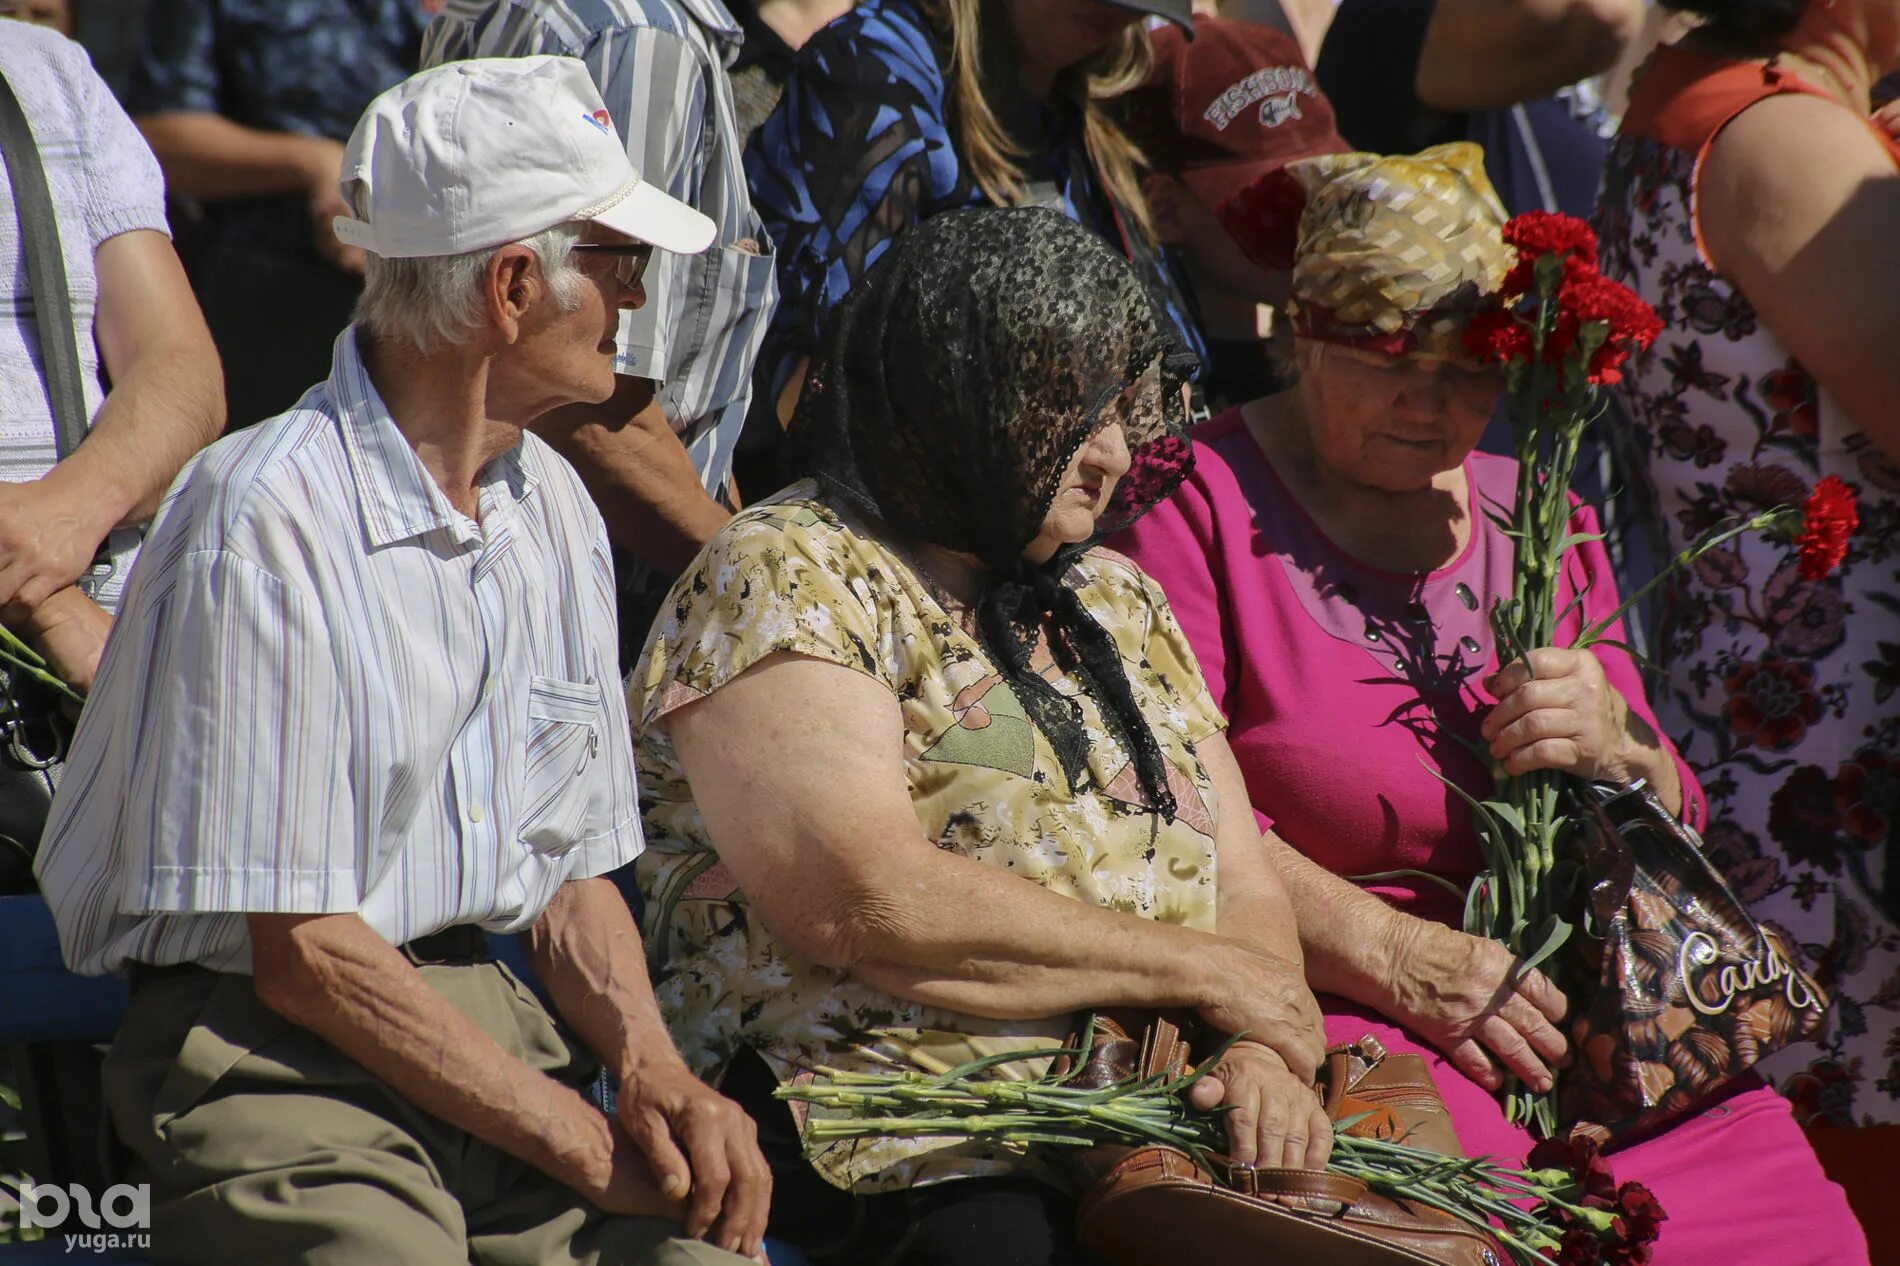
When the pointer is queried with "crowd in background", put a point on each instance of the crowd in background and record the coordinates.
(814, 134)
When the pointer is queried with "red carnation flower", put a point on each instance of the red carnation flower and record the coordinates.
(1264, 219)
(1538, 233)
(1830, 516)
(1588, 296)
(1496, 335)
(1641, 1212)
(1579, 1155)
(1580, 1247)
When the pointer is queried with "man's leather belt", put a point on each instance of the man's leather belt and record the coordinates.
(457, 945)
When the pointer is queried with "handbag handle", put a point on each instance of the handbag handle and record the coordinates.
(45, 273)
(1301, 1184)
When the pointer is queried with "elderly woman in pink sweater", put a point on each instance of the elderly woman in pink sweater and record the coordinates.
(1331, 563)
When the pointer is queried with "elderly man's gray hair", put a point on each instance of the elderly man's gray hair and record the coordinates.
(436, 299)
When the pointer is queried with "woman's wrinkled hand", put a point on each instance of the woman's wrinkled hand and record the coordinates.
(1273, 1118)
(1265, 998)
(1560, 713)
(1470, 997)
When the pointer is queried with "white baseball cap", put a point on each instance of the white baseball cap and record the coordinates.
(476, 154)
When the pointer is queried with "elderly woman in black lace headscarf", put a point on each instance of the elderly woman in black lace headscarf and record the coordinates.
(927, 772)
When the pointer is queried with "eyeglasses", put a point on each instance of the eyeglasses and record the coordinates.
(630, 261)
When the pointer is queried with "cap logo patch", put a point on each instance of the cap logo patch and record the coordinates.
(1279, 87)
(601, 120)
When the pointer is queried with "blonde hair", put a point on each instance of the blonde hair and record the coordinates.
(991, 155)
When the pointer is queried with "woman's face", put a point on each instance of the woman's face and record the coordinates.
(1394, 422)
(1056, 34)
(1087, 486)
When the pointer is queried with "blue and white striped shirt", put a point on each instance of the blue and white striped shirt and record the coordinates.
(660, 66)
(328, 690)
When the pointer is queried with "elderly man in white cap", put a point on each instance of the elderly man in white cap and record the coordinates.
(361, 708)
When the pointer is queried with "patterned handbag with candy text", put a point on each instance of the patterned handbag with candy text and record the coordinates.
(1691, 989)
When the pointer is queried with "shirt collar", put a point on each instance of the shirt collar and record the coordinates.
(717, 21)
(395, 494)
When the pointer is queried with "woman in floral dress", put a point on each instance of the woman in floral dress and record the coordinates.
(925, 773)
(1750, 200)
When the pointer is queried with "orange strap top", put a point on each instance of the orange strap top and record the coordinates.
(1684, 98)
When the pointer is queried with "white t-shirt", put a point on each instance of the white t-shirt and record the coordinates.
(104, 182)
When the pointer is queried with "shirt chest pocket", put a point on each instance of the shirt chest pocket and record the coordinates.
(560, 778)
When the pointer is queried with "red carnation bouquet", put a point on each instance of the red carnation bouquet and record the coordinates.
(1604, 908)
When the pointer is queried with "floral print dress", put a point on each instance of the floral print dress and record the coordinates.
(795, 575)
(1782, 693)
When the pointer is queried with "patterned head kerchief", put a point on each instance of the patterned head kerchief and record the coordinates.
(1396, 253)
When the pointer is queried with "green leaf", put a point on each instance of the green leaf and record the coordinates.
(1642, 661)
(1548, 936)
(1383, 875)
(1577, 538)
(1477, 898)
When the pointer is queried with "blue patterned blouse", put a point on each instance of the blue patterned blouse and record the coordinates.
(860, 148)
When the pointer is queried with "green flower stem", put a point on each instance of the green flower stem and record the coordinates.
(1762, 522)
(21, 656)
(11, 642)
(909, 1105)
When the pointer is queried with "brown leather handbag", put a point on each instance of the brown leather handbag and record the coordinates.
(1149, 1201)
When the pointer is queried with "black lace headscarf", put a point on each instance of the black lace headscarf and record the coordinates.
(957, 380)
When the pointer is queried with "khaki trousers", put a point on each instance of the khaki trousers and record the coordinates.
(264, 1144)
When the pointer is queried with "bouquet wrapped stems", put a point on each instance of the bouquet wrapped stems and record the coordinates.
(1535, 1213)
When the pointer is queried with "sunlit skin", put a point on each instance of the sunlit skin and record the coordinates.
(570, 365)
(1395, 423)
(1374, 446)
(1088, 485)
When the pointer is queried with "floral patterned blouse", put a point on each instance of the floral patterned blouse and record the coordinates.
(1783, 694)
(794, 574)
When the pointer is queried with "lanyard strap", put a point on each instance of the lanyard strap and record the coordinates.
(45, 273)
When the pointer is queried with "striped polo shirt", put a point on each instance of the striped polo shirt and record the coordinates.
(328, 690)
(660, 66)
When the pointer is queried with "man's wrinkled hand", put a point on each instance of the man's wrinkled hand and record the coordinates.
(47, 541)
(704, 1152)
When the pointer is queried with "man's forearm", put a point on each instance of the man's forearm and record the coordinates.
(586, 950)
(209, 157)
(337, 977)
(639, 474)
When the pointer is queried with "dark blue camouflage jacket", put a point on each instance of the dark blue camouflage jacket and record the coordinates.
(859, 148)
(307, 66)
